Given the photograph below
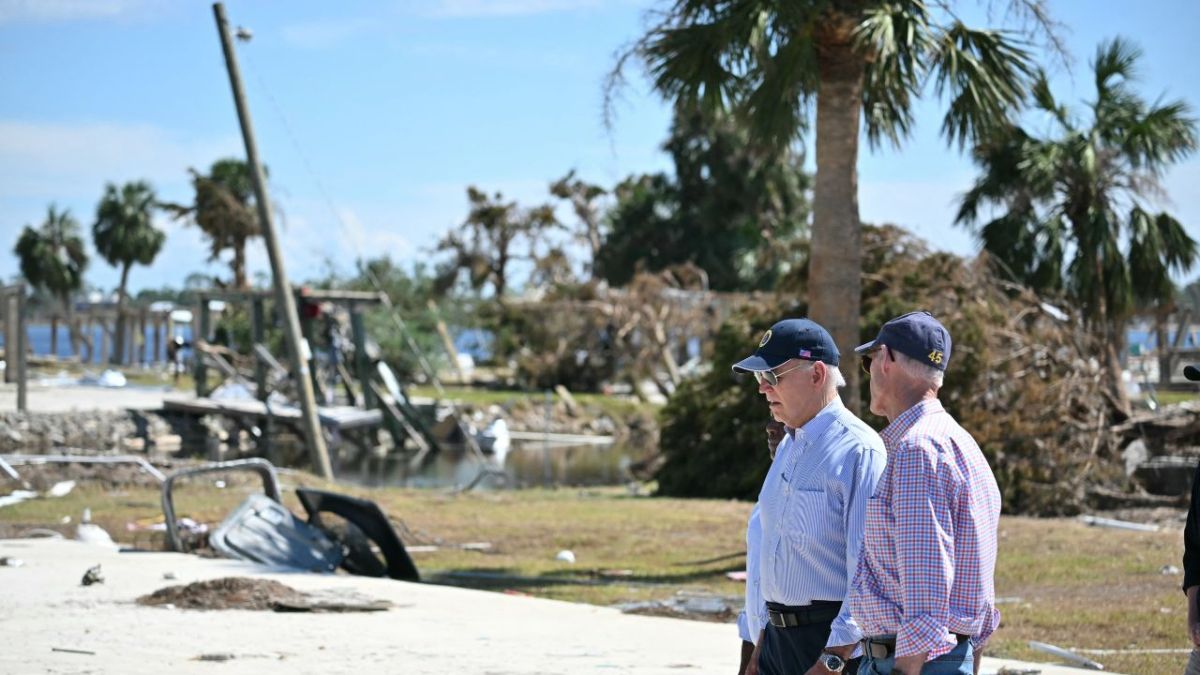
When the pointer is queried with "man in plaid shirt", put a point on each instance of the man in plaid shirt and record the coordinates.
(924, 592)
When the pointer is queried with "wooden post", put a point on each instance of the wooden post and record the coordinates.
(258, 332)
(10, 335)
(201, 370)
(54, 334)
(22, 347)
(362, 365)
(310, 424)
(307, 330)
(156, 321)
(142, 337)
(447, 342)
(103, 341)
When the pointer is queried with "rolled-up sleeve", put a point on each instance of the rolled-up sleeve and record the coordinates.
(744, 627)
(868, 469)
(925, 548)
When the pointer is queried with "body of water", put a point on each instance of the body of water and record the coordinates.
(526, 465)
(39, 341)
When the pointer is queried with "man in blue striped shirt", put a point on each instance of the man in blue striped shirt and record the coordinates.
(812, 504)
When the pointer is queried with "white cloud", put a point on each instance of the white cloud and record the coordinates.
(61, 161)
(327, 32)
(68, 164)
(13, 11)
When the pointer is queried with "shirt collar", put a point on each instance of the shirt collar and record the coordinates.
(905, 420)
(819, 423)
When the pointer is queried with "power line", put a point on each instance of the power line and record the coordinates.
(426, 367)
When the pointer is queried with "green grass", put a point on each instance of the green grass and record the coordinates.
(1172, 397)
(135, 376)
(1080, 587)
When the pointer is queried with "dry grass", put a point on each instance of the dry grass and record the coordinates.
(1080, 587)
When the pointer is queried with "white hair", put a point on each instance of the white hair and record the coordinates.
(835, 374)
(919, 371)
(832, 374)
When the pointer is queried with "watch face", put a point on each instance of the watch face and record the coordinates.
(833, 662)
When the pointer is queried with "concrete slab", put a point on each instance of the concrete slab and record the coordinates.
(432, 629)
(67, 398)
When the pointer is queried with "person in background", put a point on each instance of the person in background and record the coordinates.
(1191, 560)
(747, 621)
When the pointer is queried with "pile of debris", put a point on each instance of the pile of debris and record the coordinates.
(120, 430)
(1161, 448)
(1029, 384)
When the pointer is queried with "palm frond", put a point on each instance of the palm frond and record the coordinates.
(896, 36)
(1115, 64)
(777, 101)
(985, 74)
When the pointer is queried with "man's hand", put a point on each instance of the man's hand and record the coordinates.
(910, 665)
(747, 651)
(844, 651)
(752, 667)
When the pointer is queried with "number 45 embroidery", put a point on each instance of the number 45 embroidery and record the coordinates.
(935, 356)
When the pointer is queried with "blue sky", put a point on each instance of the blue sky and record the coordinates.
(373, 117)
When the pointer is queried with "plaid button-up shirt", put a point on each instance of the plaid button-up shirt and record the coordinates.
(929, 552)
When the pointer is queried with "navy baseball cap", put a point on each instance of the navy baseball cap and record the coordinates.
(790, 339)
(917, 335)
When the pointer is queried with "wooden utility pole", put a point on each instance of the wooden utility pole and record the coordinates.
(284, 298)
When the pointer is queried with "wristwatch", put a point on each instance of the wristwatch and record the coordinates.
(832, 662)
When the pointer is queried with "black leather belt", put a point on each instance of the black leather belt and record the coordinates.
(820, 611)
(884, 646)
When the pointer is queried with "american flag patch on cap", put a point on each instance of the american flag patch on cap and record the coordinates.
(805, 354)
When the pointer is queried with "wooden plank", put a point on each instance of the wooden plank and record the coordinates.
(338, 417)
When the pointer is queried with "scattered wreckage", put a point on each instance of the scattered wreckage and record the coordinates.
(340, 531)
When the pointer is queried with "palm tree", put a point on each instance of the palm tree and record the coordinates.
(124, 235)
(1085, 191)
(856, 62)
(225, 211)
(53, 259)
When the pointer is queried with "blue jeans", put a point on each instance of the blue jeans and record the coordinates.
(958, 661)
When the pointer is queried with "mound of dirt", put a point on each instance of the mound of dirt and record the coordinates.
(227, 593)
(259, 594)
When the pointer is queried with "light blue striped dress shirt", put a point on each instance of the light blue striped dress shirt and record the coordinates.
(749, 624)
(812, 511)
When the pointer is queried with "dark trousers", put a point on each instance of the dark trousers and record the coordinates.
(795, 649)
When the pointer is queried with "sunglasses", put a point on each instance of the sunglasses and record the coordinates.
(772, 378)
(866, 358)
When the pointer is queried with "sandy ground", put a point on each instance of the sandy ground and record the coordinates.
(41, 398)
(430, 629)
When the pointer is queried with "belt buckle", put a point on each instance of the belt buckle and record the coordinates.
(776, 619)
(879, 650)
